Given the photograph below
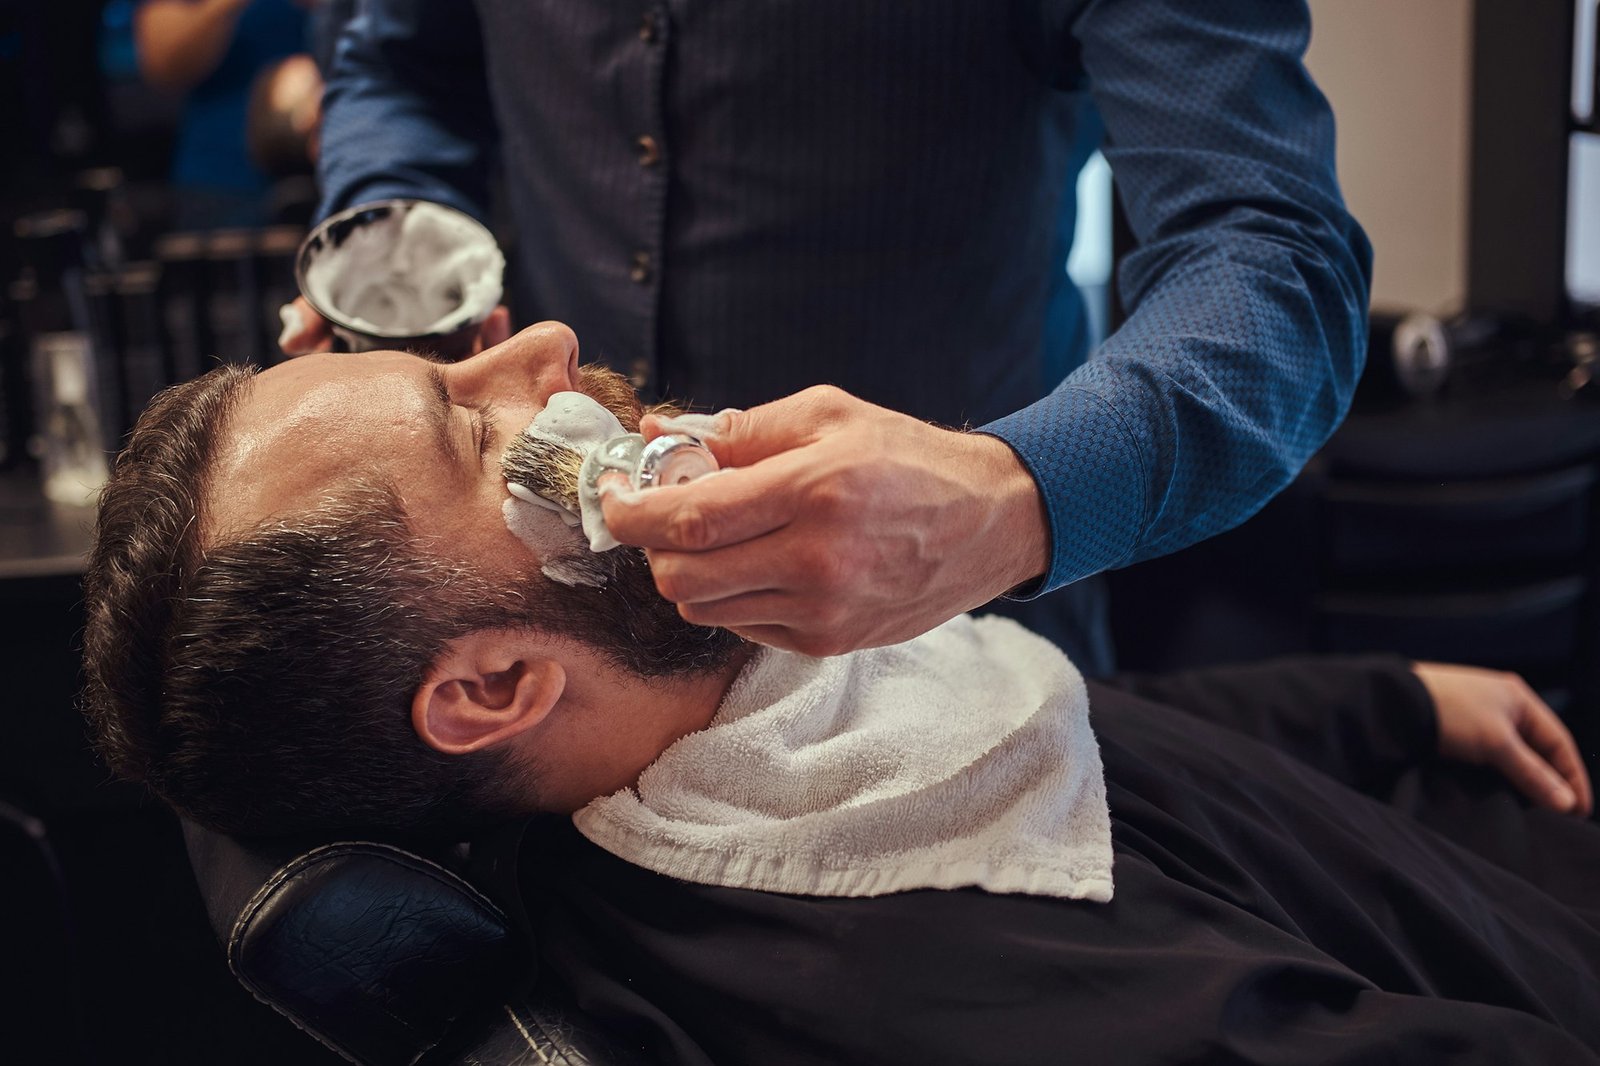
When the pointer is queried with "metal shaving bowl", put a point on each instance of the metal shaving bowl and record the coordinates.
(453, 333)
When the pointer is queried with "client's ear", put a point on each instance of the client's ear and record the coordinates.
(484, 689)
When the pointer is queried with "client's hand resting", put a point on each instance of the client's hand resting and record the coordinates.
(842, 525)
(1495, 719)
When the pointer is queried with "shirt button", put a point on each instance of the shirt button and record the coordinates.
(648, 33)
(639, 373)
(641, 267)
(649, 150)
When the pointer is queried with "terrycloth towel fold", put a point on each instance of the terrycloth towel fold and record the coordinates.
(963, 757)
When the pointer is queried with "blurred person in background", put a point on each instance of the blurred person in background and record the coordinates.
(282, 121)
(281, 129)
(211, 52)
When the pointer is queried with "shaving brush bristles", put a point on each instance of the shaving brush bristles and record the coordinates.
(548, 467)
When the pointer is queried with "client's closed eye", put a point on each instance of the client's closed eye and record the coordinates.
(488, 431)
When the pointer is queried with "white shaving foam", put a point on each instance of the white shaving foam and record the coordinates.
(583, 424)
(421, 269)
(577, 420)
(555, 543)
(293, 323)
(527, 495)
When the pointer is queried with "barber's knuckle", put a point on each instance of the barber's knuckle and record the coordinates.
(857, 482)
(826, 569)
(827, 402)
(834, 499)
(691, 528)
(670, 582)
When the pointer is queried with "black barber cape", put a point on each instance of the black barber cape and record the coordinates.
(1290, 888)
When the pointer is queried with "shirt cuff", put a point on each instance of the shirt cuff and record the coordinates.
(393, 189)
(1091, 475)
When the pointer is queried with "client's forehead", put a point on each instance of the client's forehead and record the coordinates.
(307, 424)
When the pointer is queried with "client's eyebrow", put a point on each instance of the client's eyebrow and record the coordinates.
(439, 415)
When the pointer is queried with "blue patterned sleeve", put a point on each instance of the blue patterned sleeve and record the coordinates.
(1248, 288)
(406, 111)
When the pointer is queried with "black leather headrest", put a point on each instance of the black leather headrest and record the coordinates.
(370, 948)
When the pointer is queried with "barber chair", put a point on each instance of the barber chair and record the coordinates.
(390, 958)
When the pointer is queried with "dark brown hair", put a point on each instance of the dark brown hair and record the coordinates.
(261, 683)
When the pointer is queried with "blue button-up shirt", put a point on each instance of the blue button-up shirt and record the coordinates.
(734, 199)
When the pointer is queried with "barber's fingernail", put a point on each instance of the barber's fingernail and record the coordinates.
(294, 324)
(1563, 797)
(696, 425)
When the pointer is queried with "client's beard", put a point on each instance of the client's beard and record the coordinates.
(622, 615)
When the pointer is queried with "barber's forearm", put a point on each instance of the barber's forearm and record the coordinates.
(1248, 288)
(406, 110)
(181, 42)
(1205, 404)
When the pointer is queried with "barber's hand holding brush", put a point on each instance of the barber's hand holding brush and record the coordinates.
(840, 524)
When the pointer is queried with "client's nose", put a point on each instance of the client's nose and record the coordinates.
(528, 367)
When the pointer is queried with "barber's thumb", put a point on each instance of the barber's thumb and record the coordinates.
(496, 328)
(303, 330)
(737, 437)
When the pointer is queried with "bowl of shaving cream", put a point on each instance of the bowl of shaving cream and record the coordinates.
(402, 274)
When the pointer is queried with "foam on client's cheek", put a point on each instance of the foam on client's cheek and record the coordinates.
(552, 540)
(577, 419)
(545, 507)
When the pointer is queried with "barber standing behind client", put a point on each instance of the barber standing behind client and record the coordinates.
(733, 201)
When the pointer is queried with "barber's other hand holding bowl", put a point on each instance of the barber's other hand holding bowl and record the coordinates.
(1495, 719)
(306, 331)
(841, 525)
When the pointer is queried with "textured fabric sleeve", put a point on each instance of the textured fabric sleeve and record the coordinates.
(1362, 720)
(406, 111)
(1248, 289)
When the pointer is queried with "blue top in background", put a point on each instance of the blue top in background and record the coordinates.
(212, 156)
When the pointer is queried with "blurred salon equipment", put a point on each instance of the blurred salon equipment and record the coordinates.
(104, 334)
(56, 356)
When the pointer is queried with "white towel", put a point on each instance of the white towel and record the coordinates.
(963, 757)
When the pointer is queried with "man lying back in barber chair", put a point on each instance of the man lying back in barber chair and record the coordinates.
(314, 607)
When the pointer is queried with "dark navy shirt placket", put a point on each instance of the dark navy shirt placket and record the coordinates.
(646, 117)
